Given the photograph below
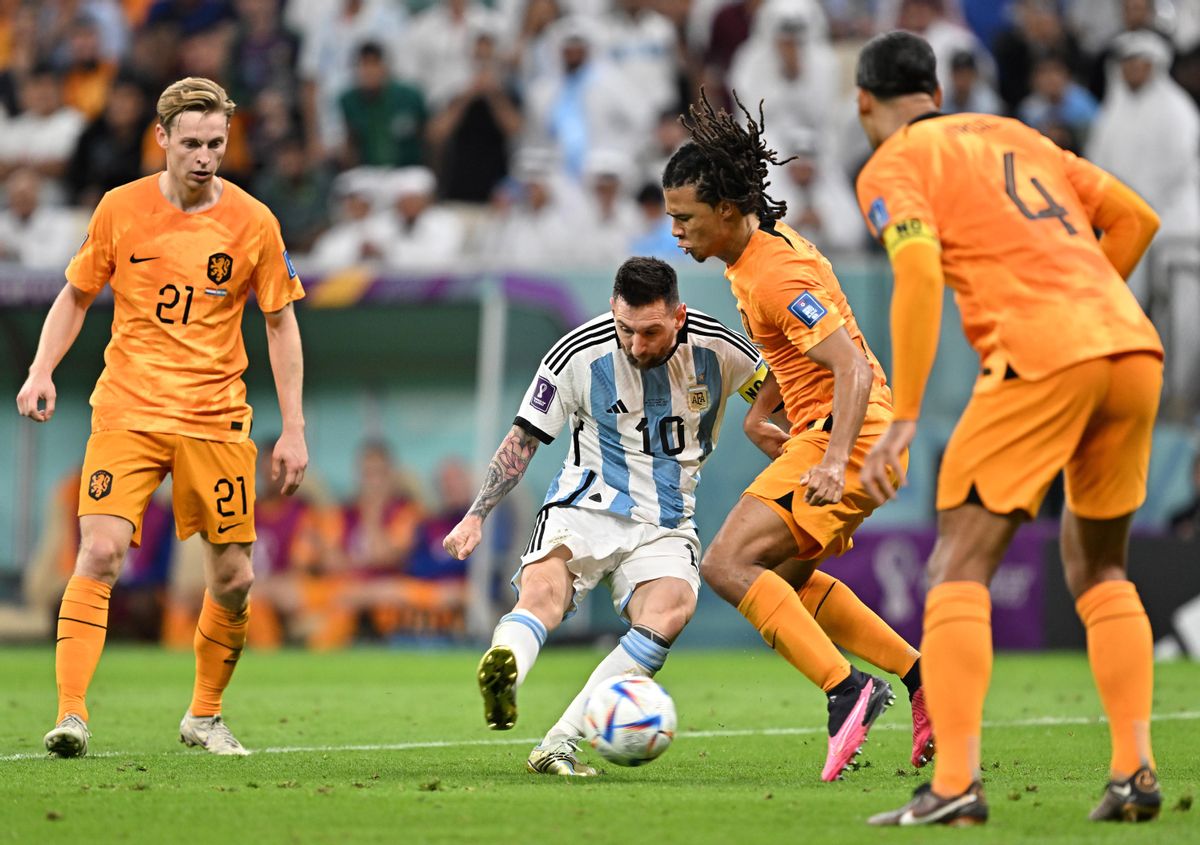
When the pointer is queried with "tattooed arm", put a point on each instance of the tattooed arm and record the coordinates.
(507, 466)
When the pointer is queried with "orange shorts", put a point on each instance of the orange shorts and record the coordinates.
(823, 531)
(212, 483)
(1094, 420)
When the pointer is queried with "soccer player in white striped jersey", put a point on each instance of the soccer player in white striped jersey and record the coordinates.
(642, 390)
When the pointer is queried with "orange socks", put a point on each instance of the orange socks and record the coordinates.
(774, 608)
(956, 661)
(1121, 653)
(220, 635)
(82, 624)
(854, 626)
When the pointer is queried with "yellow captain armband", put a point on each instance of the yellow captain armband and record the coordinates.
(749, 390)
(904, 232)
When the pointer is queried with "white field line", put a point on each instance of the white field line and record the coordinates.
(1038, 721)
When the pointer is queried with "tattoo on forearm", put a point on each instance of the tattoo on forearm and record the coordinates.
(507, 466)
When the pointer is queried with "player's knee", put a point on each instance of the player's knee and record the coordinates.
(1080, 580)
(100, 557)
(543, 593)
(232, 587)
(716, 572)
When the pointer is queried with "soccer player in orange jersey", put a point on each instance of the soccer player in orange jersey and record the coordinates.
(806, 505)
(1070, 376)
(181, 249)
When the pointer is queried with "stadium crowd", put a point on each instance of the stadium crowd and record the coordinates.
(416, 135)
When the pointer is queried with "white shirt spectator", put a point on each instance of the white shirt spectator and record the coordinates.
(437, 47)
(34, 235)
(820, 203)
(641, 44)
(788, 63)
(423, 236)
(611, 219)
(360, 236)
(538, 224)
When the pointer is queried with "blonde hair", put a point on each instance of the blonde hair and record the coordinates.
(193, 93)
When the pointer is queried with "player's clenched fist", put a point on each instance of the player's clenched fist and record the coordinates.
(826, 482)
(38, 388)
(464, 538)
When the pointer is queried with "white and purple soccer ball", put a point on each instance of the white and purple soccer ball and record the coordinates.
(629, 720)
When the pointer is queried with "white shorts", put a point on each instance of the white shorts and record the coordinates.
(609, 548)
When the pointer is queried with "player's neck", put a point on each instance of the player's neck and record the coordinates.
(743, 230)
(186, 198)
(903, 111)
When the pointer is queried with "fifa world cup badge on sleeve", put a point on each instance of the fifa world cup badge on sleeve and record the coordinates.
(806, 307)
(543, 394)
(878, 215)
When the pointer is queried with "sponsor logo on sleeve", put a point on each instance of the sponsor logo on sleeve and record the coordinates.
(291, 270)
(878, 215)
(806, 307)
(543, 394)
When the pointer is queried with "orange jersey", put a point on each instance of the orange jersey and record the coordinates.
(1012, 214)
(790, 301)
(175, 361)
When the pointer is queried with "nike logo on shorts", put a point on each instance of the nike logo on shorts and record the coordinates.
(221, 529)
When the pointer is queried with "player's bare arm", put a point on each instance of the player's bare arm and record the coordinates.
(852, 378)
(503, 474)
(37, 396)
(916, 318)
(290, 458)
(765, 424)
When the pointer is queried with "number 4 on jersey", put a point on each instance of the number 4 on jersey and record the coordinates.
(1051, 211)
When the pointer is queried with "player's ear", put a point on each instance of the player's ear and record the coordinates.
(160, 135)
(680, 315)
(937, 96)
(864, 103)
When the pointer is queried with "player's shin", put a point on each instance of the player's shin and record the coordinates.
(82, 625)
(1121, 654)
(524, 634)
(853, 626)
(220, 637)
(641, 651)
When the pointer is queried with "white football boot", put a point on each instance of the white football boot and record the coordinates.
(210, 733)
(69, 737)
(559, 759)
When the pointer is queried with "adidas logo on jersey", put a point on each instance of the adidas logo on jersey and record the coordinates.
(618, 408)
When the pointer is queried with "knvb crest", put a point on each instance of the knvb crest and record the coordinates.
(220, 268)
(100, 484)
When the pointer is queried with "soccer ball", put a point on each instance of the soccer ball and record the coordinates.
(629, 720)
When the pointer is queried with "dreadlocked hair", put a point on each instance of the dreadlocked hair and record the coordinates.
(726, 161)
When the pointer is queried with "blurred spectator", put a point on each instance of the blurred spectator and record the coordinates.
(535, 222)
(439, 44)
(1059, 103)
(297, 193)
(928, 19)
(788, 64)
(653, 237)
(641, 45)
(55, 22)
(109, 151)
(190, 16)
(421, 235)
(471, 137)
(43, 135)
(366, 546)
(263, 54)
(968, 92)
(385, 119)
(33, 234)
(586, 104)
(1037, 31)
(1185, 522)
(1135, 16)
(821, 205)
(275, 117)
(1148, 135)
(611, 218)
(456, 493)
(731, 26)
(87, 75)
(360, 234)
(669, 135)
(533, 53)
(326, 68)
(18, 51)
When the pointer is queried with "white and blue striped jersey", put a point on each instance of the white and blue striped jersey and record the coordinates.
(638, 437)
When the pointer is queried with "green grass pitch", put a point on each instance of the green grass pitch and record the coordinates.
(389, 746)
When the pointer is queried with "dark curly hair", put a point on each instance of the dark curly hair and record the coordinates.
(725, 160)
(644, 281)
